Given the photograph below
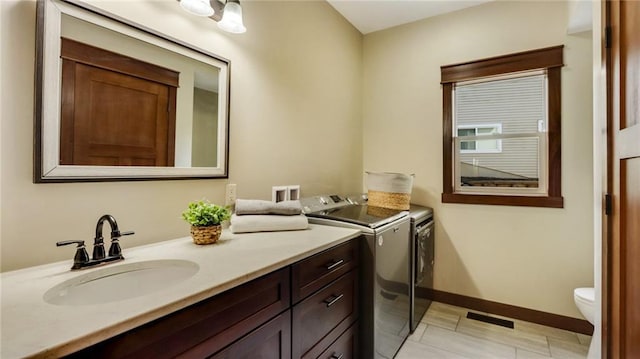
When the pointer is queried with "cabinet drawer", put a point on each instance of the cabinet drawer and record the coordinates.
(345, 347)
(317, 316)
(271, 341)
(202, 328)
(319, 270)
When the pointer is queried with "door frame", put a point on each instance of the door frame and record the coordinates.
(622, 145)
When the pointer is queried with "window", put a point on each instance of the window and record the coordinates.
(502, 130)
(469, 143)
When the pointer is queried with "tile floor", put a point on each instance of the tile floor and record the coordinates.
(446, 333)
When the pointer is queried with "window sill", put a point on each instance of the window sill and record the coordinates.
(525, 201)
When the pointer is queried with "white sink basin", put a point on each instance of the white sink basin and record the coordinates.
(120, 282)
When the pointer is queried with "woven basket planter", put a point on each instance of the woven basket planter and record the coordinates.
(205, 234)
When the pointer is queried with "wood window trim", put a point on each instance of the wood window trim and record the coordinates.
(551, 60)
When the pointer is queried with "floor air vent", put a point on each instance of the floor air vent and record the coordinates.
(491, 320)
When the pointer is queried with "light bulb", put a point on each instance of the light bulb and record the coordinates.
(232, 18)
(197, 7)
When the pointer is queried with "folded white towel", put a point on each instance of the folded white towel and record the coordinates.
(256, 206)
(267, 223)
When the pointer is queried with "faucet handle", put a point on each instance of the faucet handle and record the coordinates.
(66, 243)
(114, 249)
(117, 234)
(81, 257)
(98, 249)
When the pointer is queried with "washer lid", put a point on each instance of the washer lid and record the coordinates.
(361, 214)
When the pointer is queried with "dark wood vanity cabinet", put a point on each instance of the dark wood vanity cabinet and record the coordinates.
(204, 328)
(325, 316)
(306, 310)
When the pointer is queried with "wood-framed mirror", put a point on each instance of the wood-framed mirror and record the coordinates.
(116, 101)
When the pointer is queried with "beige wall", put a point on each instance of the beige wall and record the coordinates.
(529, 257)
(301, 81)
(295, 87)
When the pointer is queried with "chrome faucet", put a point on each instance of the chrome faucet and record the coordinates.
(81, 259)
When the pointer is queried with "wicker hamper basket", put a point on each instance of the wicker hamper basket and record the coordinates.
(389, 190)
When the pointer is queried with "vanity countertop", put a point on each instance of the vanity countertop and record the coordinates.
(32, 327)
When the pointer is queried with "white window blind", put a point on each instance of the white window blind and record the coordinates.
(518, 105)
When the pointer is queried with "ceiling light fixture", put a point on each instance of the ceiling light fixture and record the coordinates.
(197, 7)
(228, 14)
(232, 18)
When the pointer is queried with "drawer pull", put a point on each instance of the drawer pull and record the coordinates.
(335, 264)
(333, 300)
(337, 356)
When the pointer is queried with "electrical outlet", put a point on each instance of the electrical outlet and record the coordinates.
(293, 192)
(230, 198)
(279, 193)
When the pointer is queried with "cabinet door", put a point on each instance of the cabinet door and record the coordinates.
(270, 341)
(204, 328)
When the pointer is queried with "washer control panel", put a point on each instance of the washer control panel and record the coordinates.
(323, 203)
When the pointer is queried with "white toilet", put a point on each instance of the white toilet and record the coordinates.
(585, 301)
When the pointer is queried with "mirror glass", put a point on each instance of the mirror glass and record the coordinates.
(117, 101)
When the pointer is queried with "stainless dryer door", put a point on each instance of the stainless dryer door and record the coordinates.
(423, 262)
(391, 288)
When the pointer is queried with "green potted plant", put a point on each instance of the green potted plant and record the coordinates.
(205, 219)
